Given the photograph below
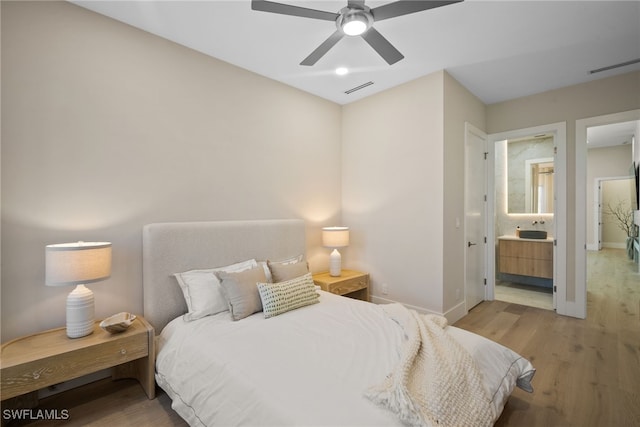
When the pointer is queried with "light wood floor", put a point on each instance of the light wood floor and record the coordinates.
(533, 296)
(588, 371)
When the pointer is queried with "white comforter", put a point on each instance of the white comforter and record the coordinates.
(310, 366)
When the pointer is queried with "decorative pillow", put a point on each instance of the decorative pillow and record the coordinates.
(241, 292)
(287, 261)
(278, 298)
(201, 290)
(283, 272)
(267, 272)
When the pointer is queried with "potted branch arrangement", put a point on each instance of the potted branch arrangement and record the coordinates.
(623, 216)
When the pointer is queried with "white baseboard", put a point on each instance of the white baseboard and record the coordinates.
(452, 315)
(611, 245)
(614, 245)
(456, 313)
(379, 300)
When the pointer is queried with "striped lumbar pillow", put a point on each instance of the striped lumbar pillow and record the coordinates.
(278, 298)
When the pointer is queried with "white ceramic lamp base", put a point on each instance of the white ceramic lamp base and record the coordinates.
(335, 263)
(80, 309)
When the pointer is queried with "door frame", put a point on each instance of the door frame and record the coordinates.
(578, 308)
(559, 131)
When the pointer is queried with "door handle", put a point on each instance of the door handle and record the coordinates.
(469, 244)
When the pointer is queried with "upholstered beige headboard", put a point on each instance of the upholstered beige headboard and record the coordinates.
(175, 247)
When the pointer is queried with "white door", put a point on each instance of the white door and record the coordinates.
(475, 202)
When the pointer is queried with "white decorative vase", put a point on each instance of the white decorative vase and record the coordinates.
(80, 312)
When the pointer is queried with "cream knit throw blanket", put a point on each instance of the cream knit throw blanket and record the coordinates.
(436, 382)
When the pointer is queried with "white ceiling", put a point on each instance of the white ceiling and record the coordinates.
(499, 50)
(611, 135)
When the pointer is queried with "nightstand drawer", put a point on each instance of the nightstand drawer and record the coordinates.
(347, 286)
(54, 369)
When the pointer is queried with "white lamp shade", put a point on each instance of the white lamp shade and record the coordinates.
(335, 237)
(77, 263)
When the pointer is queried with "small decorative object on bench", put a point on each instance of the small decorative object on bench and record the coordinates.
(118, 322)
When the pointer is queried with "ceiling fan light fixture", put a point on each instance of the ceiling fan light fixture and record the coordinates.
(354, 22)
(354, 26)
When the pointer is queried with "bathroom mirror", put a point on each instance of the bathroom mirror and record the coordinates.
(530, 172)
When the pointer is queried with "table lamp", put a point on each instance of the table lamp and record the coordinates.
(335, 237)
(78, 264)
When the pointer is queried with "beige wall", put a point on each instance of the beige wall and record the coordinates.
(600, 97)
(401, 149)
(460, 106)
(392, 188)
(106, 128)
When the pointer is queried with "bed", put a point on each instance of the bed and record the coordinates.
(323, 359)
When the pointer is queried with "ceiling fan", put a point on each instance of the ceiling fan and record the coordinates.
(355, 19)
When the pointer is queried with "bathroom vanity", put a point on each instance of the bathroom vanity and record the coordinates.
(528, 261)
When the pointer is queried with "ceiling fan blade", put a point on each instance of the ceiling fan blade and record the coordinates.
(323, 48)
(287, 9)
(358, 4)
(382, 46)
(405, 7)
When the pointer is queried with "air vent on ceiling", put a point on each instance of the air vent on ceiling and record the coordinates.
(362, 86)
(611, 67)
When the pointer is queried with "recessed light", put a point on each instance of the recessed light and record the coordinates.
(341, 71)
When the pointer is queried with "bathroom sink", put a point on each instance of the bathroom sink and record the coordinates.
(533, 234)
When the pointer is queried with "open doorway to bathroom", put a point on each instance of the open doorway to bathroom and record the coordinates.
(526, 203)
(524, 219)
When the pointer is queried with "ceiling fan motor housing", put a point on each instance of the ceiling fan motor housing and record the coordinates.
(353, 14)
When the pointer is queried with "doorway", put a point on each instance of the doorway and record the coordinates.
(612, 216)
(578, 307)
(556, 133)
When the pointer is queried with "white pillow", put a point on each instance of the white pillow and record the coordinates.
(202, 292)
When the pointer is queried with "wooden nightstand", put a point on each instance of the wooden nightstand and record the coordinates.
(350, 283)
(46, 358)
